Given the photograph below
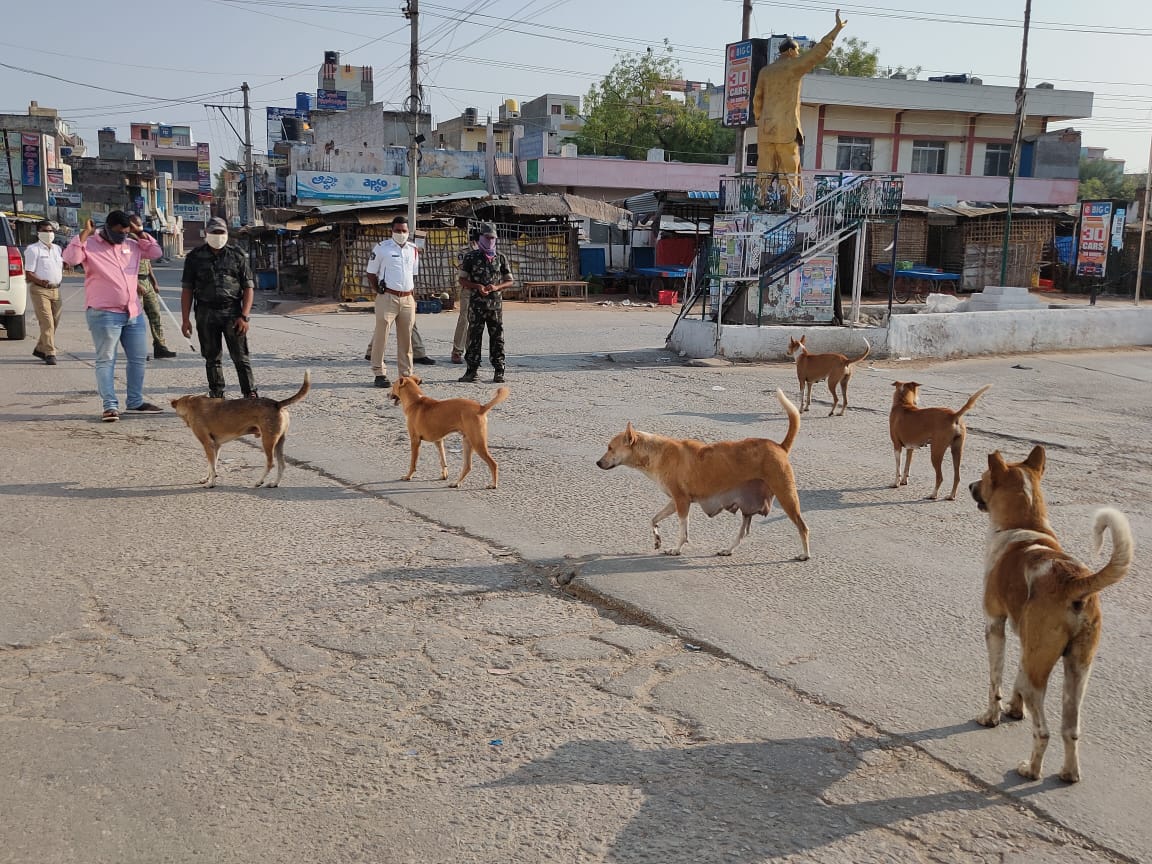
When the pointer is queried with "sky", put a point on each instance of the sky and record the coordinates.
(159, 62)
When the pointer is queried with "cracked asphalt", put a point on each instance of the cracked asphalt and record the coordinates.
(351, 668)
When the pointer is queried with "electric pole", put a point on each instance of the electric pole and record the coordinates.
(1143, 228)
(412, 13)
(746, 29)
(1014, 160)
(249, 170)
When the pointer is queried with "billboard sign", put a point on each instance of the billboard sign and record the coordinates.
(331, 100)
(67, 199)
(333, 186)
(30, 161)
(164, 136)
(55, 179)
(1095, 235)
(204, 171)
(191, 212)
(275, 123)
(738, 84)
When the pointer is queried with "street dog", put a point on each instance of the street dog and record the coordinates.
(911, 426)
(811, 368)
(434, 419)
(1051, 598)
(215, 422)
(737, 476)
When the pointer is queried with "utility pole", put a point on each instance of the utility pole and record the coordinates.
(745, 34)
(1014, 163)
(746, 29)
(412, 13)
(1143, 227)
(249, 170)
(8, 164)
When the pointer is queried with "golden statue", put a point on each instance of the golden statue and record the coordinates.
(776, 103)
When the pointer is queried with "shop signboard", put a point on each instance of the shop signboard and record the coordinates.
(55, 179)
(191, 212)
(332, 100)
(337, 186)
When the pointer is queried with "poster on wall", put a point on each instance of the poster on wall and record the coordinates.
(817, 281)
(10, 172)
(728, 241)
(1095, 233)
(742, 63)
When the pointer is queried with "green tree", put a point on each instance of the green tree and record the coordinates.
(854, 58)
(632, 110)
(219, 189)
(1100, 178)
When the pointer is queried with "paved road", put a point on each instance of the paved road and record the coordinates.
(877, 639)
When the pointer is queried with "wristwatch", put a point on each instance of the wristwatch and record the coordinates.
(243, 317)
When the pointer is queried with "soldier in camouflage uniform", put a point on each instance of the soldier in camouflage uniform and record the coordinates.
(218, 279)
(146, 287)
(485, 272)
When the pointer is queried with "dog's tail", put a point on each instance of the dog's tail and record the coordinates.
(300, 394)
(1117, 566)
(972, 401)
(867, 351)
(793, 421)
(500, 396)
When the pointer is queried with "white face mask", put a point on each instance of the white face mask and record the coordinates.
(46, 237)
(400, 237)
(217, 241)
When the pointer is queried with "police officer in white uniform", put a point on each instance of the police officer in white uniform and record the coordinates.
(44, 269)
(391, 273)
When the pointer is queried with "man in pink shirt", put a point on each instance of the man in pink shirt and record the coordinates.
(111, 260)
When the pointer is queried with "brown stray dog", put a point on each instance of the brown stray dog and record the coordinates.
(215, 422)
(1051, 599)
(434, 419)
(811, 368)
(911, 426)
(735, 476)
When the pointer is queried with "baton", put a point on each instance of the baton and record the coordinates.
(179, 326)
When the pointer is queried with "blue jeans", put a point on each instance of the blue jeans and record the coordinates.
(108, 329)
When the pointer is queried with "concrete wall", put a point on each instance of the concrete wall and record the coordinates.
(931, 336)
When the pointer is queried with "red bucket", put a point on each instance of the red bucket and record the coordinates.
(667, 298)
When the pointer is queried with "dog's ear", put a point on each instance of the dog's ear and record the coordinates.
(1036, 459)
(802, 338)
(913, 385)
(897, 384)
(996, 463)
(629, 434)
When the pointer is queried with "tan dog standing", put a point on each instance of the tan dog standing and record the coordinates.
(911, 426)
(811, 368)
(1051, 599)
(735, 476)
(215, 422)
(434, 419)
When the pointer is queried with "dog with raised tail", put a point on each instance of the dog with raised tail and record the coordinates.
(435, 419)
(1051, 599)
(215, 422)
(911, 426)
(736, 476)
(810, 368)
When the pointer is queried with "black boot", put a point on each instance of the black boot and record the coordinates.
(469, 377)
(498, 378)
(162, 352)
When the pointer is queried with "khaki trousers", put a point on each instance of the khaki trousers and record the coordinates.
(418, 349)
(402, 311)
(460, 338)
(46, 305)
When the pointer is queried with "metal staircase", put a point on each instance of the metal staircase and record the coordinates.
(834, 207)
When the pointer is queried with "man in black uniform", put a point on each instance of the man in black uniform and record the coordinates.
(217, 277)
(485, 272)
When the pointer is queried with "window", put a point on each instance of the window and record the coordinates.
(187, 171)
(164, 166)
(556, 109)
(481, 146)
(997, 160)
(928, 157)
(853, 154)
(144, 134)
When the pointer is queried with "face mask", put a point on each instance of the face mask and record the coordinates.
(46, 237)
(401, 237)
(114, 237)
(217, 241)
(487, 245)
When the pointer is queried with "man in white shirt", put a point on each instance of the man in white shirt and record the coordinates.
(391, 273)
(44, 269)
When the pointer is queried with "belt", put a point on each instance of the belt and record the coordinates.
(382, 290)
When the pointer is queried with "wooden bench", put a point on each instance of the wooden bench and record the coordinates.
(555, 290)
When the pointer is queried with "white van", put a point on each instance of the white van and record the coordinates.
(13, 286)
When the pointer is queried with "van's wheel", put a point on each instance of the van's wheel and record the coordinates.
(14, 324)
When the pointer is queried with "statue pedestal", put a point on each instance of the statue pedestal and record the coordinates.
(996, 298)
